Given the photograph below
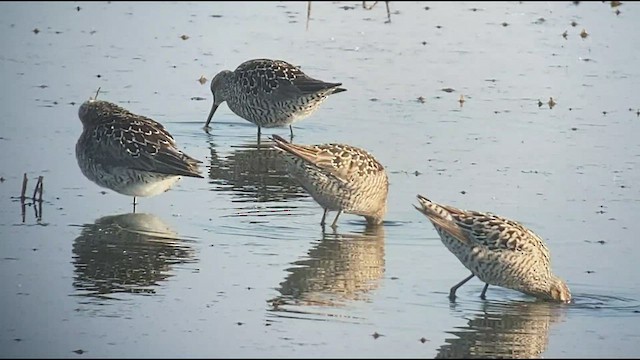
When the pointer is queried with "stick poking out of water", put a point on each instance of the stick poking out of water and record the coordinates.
(38, 189)
(36, 198)
(24, 187)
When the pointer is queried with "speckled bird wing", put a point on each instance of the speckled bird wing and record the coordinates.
(343, 162)
(111, 113)
(484, 229)
(498, 233)
(278, 80)
(142, 145)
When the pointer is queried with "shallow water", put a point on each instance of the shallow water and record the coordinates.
(236, 264)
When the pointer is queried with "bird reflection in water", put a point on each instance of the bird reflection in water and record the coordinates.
(339, 268)
(127, 253)
(504, 330)
(253, 172)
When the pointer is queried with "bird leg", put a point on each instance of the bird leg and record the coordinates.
(388, 13)
(324, 216)
(486, 285)
(308, 13)
(452, 292)
(333, 225)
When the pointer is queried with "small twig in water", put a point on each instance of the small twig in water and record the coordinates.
(36, 198)
(41, 190)
(23, 208)
(35, 191)
(38, 210)
(24, 187)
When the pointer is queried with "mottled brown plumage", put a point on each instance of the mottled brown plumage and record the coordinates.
(128, 153)
(497, 250)
(339, 177)
(269, 93)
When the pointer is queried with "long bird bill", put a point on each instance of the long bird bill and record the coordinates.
(213, 110)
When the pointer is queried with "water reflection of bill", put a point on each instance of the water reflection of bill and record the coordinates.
(128, 253)
(253, 172)
(504, 330)
(339, 268)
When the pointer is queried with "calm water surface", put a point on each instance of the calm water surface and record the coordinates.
(236, 264)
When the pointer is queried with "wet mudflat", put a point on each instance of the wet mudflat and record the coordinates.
(236, 264)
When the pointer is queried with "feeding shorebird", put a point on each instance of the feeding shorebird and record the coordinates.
(128, 153)
(339, 177)
(497, 250)
(269, 93)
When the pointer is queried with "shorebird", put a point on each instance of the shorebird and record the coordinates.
(269, 93)
(128, 153)
(497, 250)
(339, 177)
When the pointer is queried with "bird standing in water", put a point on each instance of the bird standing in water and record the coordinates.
(269, 93)
(497, 250)
(128, 153)
(339, 177)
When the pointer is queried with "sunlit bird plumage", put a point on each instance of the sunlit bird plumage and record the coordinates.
(497, 250)
(269, 93)
(129, 153)
(339, 177)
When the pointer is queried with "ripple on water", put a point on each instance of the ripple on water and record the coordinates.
(605, 305)
(518, 328)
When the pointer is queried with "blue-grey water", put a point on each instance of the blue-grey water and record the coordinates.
(236, 264)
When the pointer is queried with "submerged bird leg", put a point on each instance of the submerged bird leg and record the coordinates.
(484, 290)
(333, 225)
(388, 13)
(308, 13)
(452, 292)
(324, 216)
